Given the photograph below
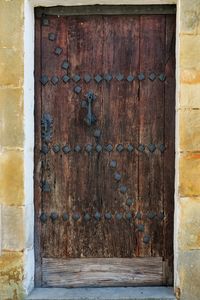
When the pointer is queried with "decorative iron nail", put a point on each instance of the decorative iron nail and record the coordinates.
(141, 148)
(161, 215)
(54, 79)
(98, 148)
(56, 148)
(47, 123)
(76, 78)
(58, 51)
(129, 215)
(45, 22)
(108, 77)
(138, 215)
(119, 216)
(123, 189)
(65, 78)
(151, 215)
(97, 133)
(77, 148)
(108, 216)
(97, 216)
(130, 148)
(65, 217)
(162, 77)
(130, 78)
(87, 217)
(141, 76)
(117, 176)
(52, 36)
(88, 148)
(151, 147)
(43, 217)
(98, 78)
(53, 216)
(146, 239)
(76, 216)
(65, 65)
(120, 148)
(140, 227)
(77, 89)
(129, 201)
(109, 147)
(87, 78)
(152, 76)
(45, 186)
(162, 148)
(83, 104)
(113, 164)
(66, 149)
(44, 79)
(45, 149)
(119, 77)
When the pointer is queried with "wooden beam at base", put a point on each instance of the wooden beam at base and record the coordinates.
(102, 272)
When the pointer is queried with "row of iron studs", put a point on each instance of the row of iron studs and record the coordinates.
(99, 148)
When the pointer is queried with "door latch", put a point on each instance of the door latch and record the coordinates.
(90, 118)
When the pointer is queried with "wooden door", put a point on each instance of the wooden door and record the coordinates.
(104, 149)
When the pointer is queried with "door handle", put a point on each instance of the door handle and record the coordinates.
(90, 118)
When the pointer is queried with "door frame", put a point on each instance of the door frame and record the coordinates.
(29, 46)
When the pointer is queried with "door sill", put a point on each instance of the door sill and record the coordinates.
(108, 293)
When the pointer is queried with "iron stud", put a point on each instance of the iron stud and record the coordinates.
(56, 148)
(45, 186)
(130, 78)
(76, 216)
(65, 65)
(141, 148)
(53, 216)
(119, 77)
(43, 217)
(130, 148)
(87, 78)
(98, 148)
(65, 78)
(138, 215)
(97, 216)
(77, 148)
(117, 176)
(151, 147)
(129, 202)
(44, 79)
(108, 216)
(141, 76)
(65, 217)
(129, 215)
(146, 239)
(66, 149)
(88, 148)
(120, 148)
(54, 79)
(45, 22)
(108, 77)
(118, 216)
(87, 217)
(123, 189)
(109, 147)
(77, 89)
(152, 76)
(58, 51)
(162, 77)
(151, 215)
(161, 216)
(52, 36)
(140, 227)
(162, 148)
(45, 149)
(76, 78)
(113, 164)
(97, 133)
(98, 78)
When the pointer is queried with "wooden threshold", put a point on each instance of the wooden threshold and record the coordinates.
(98, 272)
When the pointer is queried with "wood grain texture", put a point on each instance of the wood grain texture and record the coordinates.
(127, 113)
(102, 272)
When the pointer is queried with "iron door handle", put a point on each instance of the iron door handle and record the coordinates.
(90, 118)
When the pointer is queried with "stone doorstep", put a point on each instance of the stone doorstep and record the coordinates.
(115, 293)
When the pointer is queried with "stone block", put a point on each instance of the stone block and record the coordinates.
(11, 178)
(189, 95)
(189, 128)
(189, 224)
(11, 117)
(189, 53)
(11, 276)
(12, 228)
(189, 274)
(11, 67)
(189, 170)
(11, 24)
(190, 17)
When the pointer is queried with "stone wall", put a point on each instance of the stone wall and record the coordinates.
(14, 238)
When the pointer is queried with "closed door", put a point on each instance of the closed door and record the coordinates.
(104, 149)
